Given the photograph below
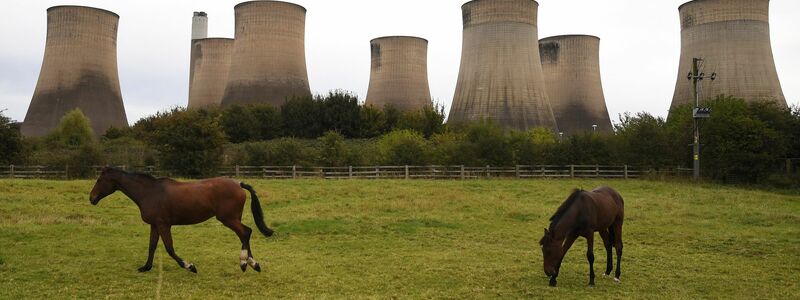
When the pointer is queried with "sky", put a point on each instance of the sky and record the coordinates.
(639, 50)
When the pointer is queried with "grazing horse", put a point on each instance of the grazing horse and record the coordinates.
(166, 202)
(583, 214)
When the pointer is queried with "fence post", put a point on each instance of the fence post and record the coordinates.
(571, 171)
(237, 171)
(350, 172)
(294, 172)
(626, 171)
(488, 175)
(597, 170)
(12, 172)
(462, 172)
(377, 172)
(406, 171)
(516, 168)
(66, 172)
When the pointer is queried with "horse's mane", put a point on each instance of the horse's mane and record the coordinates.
(564, 207)
(135, 174)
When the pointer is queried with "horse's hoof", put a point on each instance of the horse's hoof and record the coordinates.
(591, 285)
(192, 268)
(606, 275)
(145, 268)
(617, 280)
(243, 266)
(257, 267)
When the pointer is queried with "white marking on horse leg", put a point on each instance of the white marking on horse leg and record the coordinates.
(187, 265)
(617, 280)
(252, 262)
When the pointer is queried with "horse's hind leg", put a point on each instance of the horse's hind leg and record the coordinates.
(607, 240)
(617, 233)
(166, 235)
(246, 256)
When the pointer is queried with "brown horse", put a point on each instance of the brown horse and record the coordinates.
(166, 202)
(582, 214)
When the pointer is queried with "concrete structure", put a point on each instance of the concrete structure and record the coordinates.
(571, 66)
(79, 70)
(199, 31)
(199, 25)
(399, 73)
(733, 37)
(269, 61)
(501, 72)
(211, 61)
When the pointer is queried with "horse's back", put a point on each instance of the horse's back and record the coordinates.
(609, 202)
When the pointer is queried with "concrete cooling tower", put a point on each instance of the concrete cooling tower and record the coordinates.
(79, 70)
(268, 63)
(211, 61)
(571, 66)
(733, 38)
(501, 73)
(399, 75)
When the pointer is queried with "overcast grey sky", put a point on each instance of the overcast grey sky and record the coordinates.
(639, 51)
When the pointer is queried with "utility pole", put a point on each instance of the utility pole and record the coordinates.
(698, 112)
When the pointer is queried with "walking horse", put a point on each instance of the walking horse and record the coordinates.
(164, 203)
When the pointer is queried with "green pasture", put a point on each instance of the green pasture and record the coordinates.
(404, 239)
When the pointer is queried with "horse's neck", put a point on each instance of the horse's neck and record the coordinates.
(565, 224)
(134, 188)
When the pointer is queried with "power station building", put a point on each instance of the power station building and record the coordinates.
(501, 75)
(733, 38)
(209, 65)
(79, 71)
(268, 64)
(211, 61)
(571, 66)
(399, 73)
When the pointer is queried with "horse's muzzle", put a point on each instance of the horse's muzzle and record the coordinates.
(93, 201)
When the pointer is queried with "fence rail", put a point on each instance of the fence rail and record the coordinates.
(374, 172)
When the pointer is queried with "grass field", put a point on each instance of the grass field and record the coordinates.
(404, 239)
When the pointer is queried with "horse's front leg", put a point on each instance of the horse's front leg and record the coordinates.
(590, 257)
(567, 244)
(166, 235)
(151, 250)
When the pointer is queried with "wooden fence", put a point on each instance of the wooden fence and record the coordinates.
(375, 172)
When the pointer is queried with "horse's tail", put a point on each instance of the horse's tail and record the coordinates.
(258, 214)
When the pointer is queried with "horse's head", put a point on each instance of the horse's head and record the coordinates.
(552, 252)
(103, 187)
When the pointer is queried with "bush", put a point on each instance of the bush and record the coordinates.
(742, 142)
(240, 124)
(72, 145)
(333, 150)
(11, 146)
(533, 147)
(643, 140)
(485, 143)
(189, 142)
(404, 147)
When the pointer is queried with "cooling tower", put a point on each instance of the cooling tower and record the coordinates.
(211, 61)
(733, 38)
(79, 70)
(571, 66)
(268, 63)
(501, 74)
(399, 75)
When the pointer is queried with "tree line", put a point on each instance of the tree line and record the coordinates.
(742, 142)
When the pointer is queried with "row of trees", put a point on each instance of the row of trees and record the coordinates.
(743, 142)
